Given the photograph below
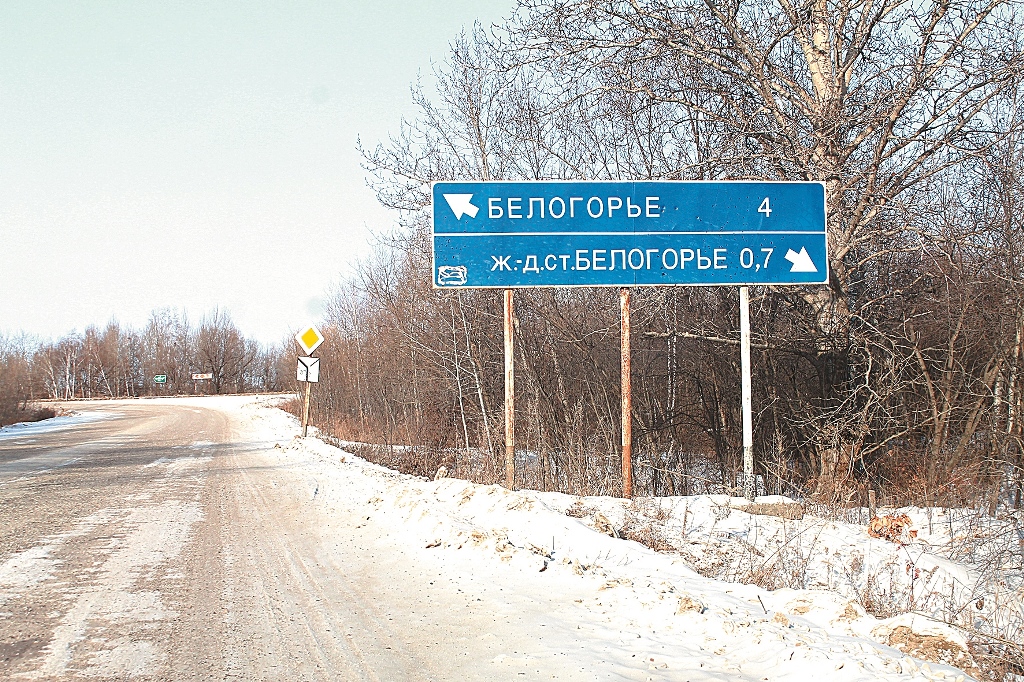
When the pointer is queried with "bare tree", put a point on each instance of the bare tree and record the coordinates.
(876, 100)
(223, 351)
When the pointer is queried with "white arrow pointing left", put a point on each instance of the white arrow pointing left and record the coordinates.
(460, 205)
(801, 261)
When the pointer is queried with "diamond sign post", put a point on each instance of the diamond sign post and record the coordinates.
(308, 368)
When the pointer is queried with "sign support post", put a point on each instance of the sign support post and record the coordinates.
(305, 410)
(510, 394)
(748, 429)
(627, 394)
(308, 368)
(307, 371)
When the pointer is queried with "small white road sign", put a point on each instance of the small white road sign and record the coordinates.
(201, 377)
(310, 339)
(308, 370)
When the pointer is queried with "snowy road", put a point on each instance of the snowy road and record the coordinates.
(197, 539)
(157, 544)
(154, 545)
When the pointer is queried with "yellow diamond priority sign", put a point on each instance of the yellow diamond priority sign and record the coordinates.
(310, 339)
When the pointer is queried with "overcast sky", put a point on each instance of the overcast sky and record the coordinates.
(199, 154)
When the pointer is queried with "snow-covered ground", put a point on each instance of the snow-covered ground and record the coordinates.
(68, 421)
(658, 604)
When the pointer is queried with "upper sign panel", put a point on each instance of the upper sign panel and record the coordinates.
(309, 339)
(553, 233)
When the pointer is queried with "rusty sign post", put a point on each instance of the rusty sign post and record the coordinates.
(627, 395)
(510, 394)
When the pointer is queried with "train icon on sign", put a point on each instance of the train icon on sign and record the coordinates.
(451, 275)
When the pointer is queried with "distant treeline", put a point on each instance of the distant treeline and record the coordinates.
(121, 362)
(902, 375)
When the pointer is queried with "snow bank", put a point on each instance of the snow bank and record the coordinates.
(742, 629)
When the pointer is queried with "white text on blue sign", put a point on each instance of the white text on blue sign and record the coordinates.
(527, 234)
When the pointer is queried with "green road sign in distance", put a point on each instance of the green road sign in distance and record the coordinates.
(160, 379)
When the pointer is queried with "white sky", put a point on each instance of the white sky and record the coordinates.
(193, 154)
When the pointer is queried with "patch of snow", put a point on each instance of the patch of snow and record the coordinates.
(157, 534)
(35, 565)
(23, 429)
(25, 569)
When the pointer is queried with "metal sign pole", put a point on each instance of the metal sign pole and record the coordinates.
(748, 428)
(510, 395)
(305, 410)
(627, 395)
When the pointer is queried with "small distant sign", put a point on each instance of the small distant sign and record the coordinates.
(308, 370)
(202, 377)
(160, 379)
(310, 339)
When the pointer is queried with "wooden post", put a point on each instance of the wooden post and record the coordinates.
(872, 510)
(627, 395)
(305, 411)
(510, 395)
(749, 487)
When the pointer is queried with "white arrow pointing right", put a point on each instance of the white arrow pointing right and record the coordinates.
(801, 261)
(459, 203)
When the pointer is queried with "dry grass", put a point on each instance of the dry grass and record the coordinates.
(12, 414)
(791, 512)
(645, 523)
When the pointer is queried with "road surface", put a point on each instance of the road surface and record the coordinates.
(156, 542)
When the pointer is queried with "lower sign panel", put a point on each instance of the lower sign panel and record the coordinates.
(308, 370)
(628, 260)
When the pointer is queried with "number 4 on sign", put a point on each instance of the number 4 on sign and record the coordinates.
(765, 208)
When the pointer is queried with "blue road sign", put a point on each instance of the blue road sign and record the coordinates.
(554, 233)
